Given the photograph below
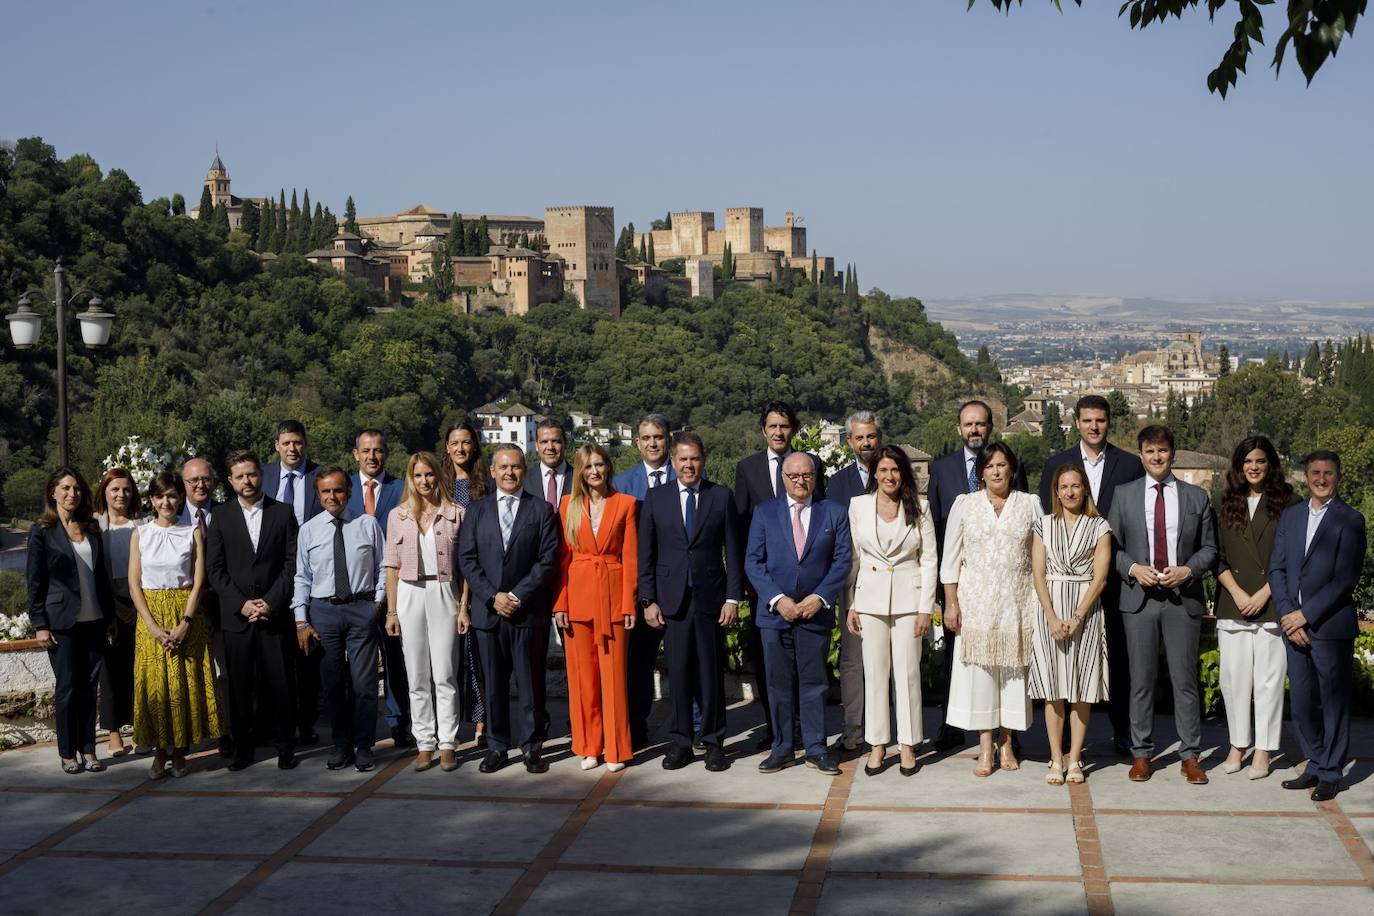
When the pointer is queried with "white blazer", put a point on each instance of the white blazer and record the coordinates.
(899, 578)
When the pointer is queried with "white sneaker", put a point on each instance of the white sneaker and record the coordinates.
(615, 767)
(590, 763)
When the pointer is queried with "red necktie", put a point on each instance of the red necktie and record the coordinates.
(370, 498)
(551, 492)
(1161, 530)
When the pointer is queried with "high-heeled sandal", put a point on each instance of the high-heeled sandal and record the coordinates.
(1055, 776)
(93, 765)
(1075, 772)
(983, 767)
(1006, 758)
(71, 767)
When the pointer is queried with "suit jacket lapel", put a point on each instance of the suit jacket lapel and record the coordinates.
(817, 519)
(1325, 525)
(521, 518)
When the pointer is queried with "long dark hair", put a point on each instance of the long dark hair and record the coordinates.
(478, 473)
(908, 495)
(985, 455)
(1278, 493)
(83, 514)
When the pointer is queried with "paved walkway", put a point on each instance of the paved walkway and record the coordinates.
(649, 841)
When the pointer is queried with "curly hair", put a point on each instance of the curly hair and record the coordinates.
(1278, 492)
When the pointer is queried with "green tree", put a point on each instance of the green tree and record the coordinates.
(439, 283)
(306, 236)
(219, 220)
(207, 203)
(1327, 375)
(457, 236)
(984, 358)
(727, 263)
(350, 216)
(1312, 363)
(483, 236)
(651, 259)
(1314, 28)
(293, 226)
(267, 231)
(643, 249)
(251, 223)
(178, 205)
(282, 237)
(1223, 360)
(1050, 429)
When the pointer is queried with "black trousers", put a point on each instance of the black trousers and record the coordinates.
(506, 649)
(257, 667)
(694, 648)
(1118, 666)
(348, 670)
(117, 679)
(309, 678)
(639, 674)
(76, 662)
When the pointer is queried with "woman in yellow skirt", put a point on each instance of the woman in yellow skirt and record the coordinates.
(174, 680)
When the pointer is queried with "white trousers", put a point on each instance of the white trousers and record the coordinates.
(891, 649)
(1253, 666)
(427, 611)
(981, 699)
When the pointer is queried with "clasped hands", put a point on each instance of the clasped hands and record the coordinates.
(792, 611)
(255, 609)
(1169, 577)
(1295, 628)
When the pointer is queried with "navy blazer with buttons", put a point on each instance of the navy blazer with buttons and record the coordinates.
(54, 583)
(845, 484)
(771, 562)
(1325, 574)
(712, 554)
(528, 569)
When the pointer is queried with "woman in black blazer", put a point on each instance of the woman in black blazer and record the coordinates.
(1253, 662)
(71, 606)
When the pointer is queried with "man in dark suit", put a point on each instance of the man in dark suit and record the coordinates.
(652, 472)
(690, 584)
(865, 438)
(1166, 539)
(798, 558)
(1106, 468)
(758, 479)
(508, 552)
(374, 492)
(1317, 561)
(952, 475)
(199, 479)
(551, 477)
(251, 563)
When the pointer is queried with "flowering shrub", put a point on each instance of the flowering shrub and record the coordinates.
(143, 460)
(15, 627)
(833, 455)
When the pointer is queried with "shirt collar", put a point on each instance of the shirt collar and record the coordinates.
(683, 488)
(1168, 481)
(1324, 506)
(1087, 459)
(661, 469)
(256, 507)
(792, 502)
(969, 456)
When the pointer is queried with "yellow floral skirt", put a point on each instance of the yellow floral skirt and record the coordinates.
(175, 704)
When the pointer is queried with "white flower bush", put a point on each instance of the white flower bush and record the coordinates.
(144, 460)
(16, 627)
(833, 455)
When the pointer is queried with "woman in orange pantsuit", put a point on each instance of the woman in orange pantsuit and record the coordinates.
(596, 607)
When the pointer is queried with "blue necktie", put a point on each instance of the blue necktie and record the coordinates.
(691, 525)
(288, 494)
(972, 477)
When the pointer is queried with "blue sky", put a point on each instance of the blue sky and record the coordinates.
(947, 153)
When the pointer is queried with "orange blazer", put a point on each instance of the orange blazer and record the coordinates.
(599, 575)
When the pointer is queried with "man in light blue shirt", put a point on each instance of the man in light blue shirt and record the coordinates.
(340, 590)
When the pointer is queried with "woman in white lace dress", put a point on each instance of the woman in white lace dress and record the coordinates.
(990, 605)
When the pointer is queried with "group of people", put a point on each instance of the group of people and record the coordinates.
(232, 621)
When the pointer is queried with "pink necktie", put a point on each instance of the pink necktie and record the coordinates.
(798, 533)
(551, 491)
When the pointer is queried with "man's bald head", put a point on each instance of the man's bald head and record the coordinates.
(199, 478)
(799, 476)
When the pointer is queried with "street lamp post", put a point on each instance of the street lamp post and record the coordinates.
(26, 324)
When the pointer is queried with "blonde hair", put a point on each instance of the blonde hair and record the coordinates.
(1056, 508)
(443, 489)
(577, 502)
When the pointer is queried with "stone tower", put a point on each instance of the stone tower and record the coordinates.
(217, 180)
(584, 237)
(744, 229)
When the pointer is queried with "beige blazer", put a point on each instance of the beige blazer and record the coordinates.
(893, 579)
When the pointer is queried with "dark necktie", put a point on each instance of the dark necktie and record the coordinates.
(1161, 530)
(200, 521)
(777, 477)
(658, 479)
(341, 587)
(972, 476)
(691, 525)
(288, 495)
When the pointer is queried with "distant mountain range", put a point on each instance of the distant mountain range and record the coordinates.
(987, 312)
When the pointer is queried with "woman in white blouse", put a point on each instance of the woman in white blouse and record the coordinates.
(116, 502)
(891, 600)
(990, 605)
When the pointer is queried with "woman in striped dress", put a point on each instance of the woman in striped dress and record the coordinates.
(1070, 557)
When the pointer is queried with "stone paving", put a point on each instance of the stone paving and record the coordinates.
(649, 841)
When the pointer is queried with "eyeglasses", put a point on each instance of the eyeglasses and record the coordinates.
(800, 478)
(203, 481)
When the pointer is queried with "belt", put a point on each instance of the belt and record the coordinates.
(601, 571)
(350, 599)
(1050, 578)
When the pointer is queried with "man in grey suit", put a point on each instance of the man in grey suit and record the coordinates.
(1165, 534)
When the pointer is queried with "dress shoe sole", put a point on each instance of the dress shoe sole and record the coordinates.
(775, 769)
(365, 767)
(671, 764)
(828, 771)
(338, 765)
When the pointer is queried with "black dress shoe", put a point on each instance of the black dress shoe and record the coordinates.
(240, 763)
(716, 761)
(677, 757)
(1301, 782)
(492, 762)
(823, 762)
(362, 760)
(775, 762)
(339, 759)
(1325, 791)
(1122, 748)
(535, 762)
(401, 736)
(287, 760)
(949, 738)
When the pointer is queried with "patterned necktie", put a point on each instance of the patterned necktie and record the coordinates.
(200, 521)
(657, 479)
(551, 490)
(288, 495)
(507, 519)
(798, 532)
(370, 497)
(1161, 530)
(972, 477)
(341, 587)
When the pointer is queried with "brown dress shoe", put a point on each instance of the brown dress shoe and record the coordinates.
(1193, 773)
(1140, 769)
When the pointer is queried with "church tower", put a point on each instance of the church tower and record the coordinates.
(217, 180)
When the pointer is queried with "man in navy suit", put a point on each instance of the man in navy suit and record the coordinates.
(551, 477)
(291, 480)
(758, 479)
(690, 584)
(865, 438)
(798, 559)
(950, 476)
(652, 472)
(1318, 556)
(1106, 468)
(508, 552)
(374, 492)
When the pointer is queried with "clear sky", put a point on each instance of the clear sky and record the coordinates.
(947, 153)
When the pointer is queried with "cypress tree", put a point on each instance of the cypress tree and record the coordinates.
(668, 220)
(643, 250)
(473, 242)
(267, 235)
(206, 204)
(1050, 429)
(1328, 364)
(483, 236)
(651, 259)
(307, 233)
(815, 276)
(326, 224)
(178, 205)
(293, 225)
(250, 223)
(727, 263)
(219, 220)
(1223, 361)
(1312, 363)
(282, 212)
(457, 237)
(350, 216)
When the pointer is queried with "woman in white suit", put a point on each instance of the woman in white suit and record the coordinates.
(891, 598)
